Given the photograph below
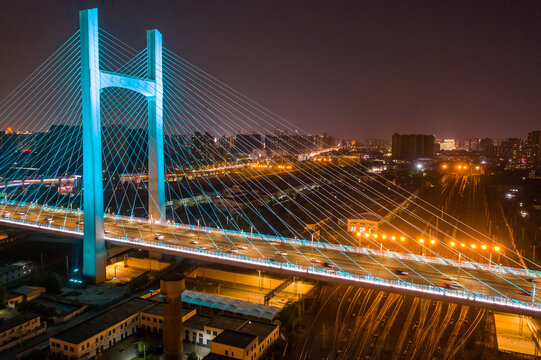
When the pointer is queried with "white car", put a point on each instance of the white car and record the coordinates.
(193, 242)
(158, 237)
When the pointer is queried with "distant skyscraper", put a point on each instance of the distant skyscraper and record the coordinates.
(247, 143)
(447, 144)
(412, 147)
(533, 150)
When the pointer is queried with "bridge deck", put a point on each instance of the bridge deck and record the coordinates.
(497, 288)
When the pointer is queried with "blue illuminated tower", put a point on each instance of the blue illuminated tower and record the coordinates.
(92, 81)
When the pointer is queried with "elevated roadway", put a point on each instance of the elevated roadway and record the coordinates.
(495, 287)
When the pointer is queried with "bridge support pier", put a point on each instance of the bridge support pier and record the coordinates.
(94, 236)
(93, 80)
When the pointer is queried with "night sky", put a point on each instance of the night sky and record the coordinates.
(351, 68)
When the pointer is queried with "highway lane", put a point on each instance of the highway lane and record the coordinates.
(418, 272)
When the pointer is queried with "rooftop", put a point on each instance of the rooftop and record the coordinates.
(234, 338)
(228, 304)
(370, 216)
(157, 310)
(101, 322)
(226, 322)
(259, 329)
(16, 321)
(197, 322)
(26, 290)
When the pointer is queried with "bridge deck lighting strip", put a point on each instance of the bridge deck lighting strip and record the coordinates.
(328, 275)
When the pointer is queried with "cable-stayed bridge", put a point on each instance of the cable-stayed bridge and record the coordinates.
(111, 130)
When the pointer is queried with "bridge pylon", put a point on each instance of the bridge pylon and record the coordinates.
(93, 80)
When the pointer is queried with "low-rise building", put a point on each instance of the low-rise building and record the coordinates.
(194, 330)
(92, 337)
(266, 334)
(235, 345)
(15, 271)
(230, 337)
(22, 294)
(18, 329)
(364, 223)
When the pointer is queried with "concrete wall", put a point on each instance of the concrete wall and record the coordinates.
(266, 281)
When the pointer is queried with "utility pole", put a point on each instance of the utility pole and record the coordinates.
(323, 336)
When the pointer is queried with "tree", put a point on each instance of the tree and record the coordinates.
(144, 346)
(3, 295)
(50, 281)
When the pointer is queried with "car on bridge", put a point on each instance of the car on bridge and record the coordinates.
(449, 286)
(399, 272)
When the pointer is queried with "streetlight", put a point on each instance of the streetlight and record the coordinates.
(497, 248)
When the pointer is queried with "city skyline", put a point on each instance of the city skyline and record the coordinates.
(474, 77)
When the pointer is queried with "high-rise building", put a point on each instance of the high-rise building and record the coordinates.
(412, 147)
(533, 150)
(247, 143)
(447, 144)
